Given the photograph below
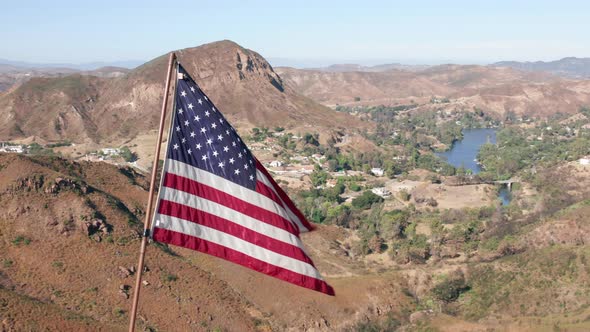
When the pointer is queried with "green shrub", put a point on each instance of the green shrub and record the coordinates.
(21, 240)
(119, 312)
(365, 200)
(404, 195)
(127, 155)
(169, 277)
(318, 178)
(449, 289)
(354, 186)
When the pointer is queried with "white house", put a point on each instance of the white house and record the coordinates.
(276, 163)
(381, 191)
(318, 157)
(110, 151)
(12, 148)
(377, 171)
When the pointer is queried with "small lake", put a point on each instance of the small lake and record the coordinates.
(463, 153)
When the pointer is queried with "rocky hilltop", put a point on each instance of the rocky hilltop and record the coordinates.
(97, 109)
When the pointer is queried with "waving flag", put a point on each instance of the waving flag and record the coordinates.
(218, 199)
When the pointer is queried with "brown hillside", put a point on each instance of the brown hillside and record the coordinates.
(493, 89)
(69, 238)
(66, 244)
(52, 108)
(84, 108)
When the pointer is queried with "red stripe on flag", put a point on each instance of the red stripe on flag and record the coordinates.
(206, 219)
(267, 191)
(198, 189)
(194, 243)
(284, 197)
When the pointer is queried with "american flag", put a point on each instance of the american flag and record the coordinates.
(217, 198)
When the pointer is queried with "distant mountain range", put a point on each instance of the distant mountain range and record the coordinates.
(493, 89)
(342, 68)
(77, 66)
(570, 67)
(567, 67)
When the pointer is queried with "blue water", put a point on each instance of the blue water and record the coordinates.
(464, 152)
(505, 195)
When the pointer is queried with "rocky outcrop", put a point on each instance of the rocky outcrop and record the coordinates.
(94, 226)
(61, 184)
(30, 183)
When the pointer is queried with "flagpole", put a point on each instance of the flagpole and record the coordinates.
(148, 212)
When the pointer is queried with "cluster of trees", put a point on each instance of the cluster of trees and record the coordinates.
(366, 200)
(59, 144)
(380, 112)
(127, 155)
(395, 231)
(519, 149)
(260, 134)
(424, 130)
(37, 149)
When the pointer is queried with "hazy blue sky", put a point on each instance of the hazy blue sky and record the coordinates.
(309, 32)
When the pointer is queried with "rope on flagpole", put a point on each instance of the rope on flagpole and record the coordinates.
(146, 225)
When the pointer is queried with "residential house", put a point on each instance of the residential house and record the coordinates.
(377, 171)
(276, 163)
(381, 191)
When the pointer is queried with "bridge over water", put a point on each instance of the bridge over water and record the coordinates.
(508, 182)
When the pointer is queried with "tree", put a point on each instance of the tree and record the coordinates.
(311, 139)
(433, 178)
(376, 244)
(404, 195)
(318, 178)
(259, 134)
(127, 155)
(394, 223)
(332, 165)
(354, 186)
(449, 289)
(365, 200)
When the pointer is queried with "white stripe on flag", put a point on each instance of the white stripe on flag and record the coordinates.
(217, 182)
(229, 241)
(203, 204)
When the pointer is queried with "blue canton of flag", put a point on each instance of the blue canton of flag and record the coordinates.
(202, 137)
